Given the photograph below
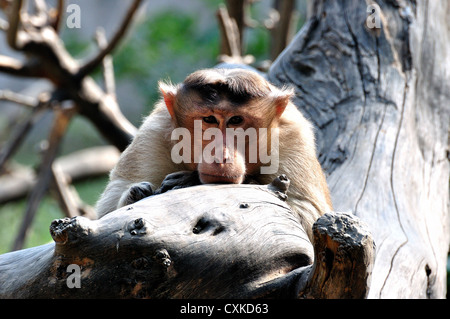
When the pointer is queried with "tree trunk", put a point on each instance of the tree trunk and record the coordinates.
(379, 97)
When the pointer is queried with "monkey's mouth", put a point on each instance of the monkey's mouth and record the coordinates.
(225, 179)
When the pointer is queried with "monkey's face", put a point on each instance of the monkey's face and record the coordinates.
(220, 159)
(224, 111)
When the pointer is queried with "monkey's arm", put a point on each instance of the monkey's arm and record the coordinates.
(178, 180)
(113, 197)
(142, 166)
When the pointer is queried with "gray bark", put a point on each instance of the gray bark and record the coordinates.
(380, 99)
(228, 242)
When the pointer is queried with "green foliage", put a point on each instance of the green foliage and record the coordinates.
(257, 43)
(90, 190)
(74, 45)
(170, 45)
(11, 215)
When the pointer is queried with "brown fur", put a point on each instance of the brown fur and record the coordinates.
(224, 92)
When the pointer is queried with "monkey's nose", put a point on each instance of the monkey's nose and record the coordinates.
(226, 155)
(222, 157)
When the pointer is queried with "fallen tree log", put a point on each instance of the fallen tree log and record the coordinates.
(230, 242)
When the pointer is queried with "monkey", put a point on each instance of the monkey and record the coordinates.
(218, 100)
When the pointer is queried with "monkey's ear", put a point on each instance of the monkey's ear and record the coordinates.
(169, 92)
(282, 98)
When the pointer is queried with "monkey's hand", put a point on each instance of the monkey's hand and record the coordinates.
(178, 180)
(137, 192)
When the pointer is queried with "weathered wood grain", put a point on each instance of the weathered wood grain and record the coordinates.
(189, 243)
(380, 101)
(221, 241)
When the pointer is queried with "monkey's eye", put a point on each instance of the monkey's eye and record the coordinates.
(210, 119)
(236, 120)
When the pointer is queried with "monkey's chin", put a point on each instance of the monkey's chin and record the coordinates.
(219, 179)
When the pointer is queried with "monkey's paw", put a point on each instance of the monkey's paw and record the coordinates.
(137, 192)
(178, 180)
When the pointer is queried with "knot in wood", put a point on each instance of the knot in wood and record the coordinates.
(244, 205)
(59, 229)
(137, 227)
(282, 196)
(162, 257)
(139, 223)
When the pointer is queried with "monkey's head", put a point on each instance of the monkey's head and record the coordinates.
(215, 106)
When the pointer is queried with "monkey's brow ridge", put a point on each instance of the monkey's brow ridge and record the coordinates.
(237, 92)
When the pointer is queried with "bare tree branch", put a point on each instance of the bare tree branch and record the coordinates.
(108, 68)
(283, 21)
(4, 25)
(60, 124)
(230, 33)
(236, 10)
(56, 14)
(48, 58)
(95, 62)
(41, 16)
(21, 132)
(7, 95)
(67, 201)
(15, 67)
(41, 7)
(34, 33)
(231, 51)
(95, 161)
(68, 198)
(14, 21)
(11, 66)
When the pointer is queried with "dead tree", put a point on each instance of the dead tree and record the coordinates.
(374, 78)
(47, 58)
(35, 34)
(234, 18)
